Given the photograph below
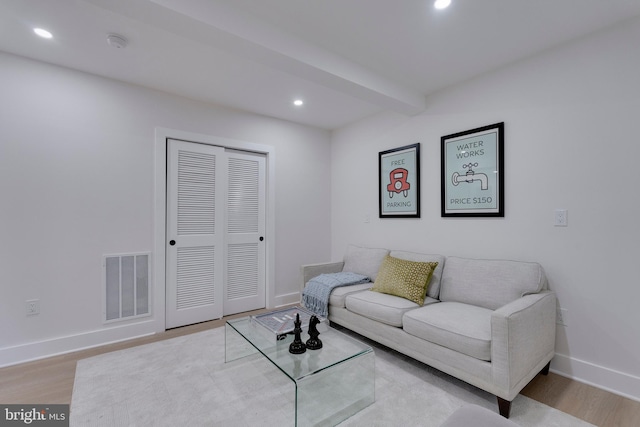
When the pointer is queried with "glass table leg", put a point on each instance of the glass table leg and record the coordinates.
(333, 395)
(235, 345)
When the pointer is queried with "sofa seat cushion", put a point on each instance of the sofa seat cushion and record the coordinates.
(384, 308)
(461, 327)
(339, 295)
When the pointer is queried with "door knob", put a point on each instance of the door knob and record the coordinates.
(261, 238)
(172, 242)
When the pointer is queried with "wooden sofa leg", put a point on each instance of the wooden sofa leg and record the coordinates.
(504, 406)
(545, 370)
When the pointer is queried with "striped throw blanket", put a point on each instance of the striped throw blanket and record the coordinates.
(315, 295)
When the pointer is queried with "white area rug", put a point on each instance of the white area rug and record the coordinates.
(185, 381)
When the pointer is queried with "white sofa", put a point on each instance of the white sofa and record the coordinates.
(490, 323)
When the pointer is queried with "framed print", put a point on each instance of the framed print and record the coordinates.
(473, 172)
(399, 182)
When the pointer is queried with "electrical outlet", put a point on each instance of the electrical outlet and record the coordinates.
(33, 307)
(561, 316)
(561, 218)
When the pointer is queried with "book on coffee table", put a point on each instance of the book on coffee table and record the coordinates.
(276, 325)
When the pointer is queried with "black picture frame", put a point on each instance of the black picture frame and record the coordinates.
(472, 172)
(399, 177)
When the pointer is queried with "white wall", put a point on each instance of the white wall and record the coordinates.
(571, 141)
(77, 182)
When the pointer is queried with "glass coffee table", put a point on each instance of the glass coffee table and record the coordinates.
(331, 384)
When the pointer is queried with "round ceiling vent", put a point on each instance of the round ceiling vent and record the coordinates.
(117, 41)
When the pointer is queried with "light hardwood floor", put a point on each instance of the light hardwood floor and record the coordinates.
(50, 381)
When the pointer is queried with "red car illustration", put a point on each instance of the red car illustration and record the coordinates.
(399, 184)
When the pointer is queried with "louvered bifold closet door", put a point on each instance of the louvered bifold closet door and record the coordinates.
(245, 228)
(195, 233)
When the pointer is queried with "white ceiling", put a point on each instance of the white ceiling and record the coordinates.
(346, 58)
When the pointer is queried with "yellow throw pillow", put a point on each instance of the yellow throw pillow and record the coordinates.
(406, 279)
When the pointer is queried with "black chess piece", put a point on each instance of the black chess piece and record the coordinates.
(314, 343)
(297, 346)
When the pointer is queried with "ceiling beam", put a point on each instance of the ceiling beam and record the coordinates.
(220, 25)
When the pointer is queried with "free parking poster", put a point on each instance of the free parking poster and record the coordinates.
(399, 182)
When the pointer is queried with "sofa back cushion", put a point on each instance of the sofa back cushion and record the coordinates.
(489, 283)
(433, 290)
(365, 261)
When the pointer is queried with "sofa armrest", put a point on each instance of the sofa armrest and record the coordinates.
(309, 271)
(523, 335)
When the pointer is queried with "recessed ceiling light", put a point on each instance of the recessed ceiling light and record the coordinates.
(43, 33)
(442, 4)
(298, 102)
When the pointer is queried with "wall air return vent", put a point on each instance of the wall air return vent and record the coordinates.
(126, 286)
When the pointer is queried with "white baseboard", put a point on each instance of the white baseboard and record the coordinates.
(616, 382)
(287, 299)
(613, 381)
(62, 345)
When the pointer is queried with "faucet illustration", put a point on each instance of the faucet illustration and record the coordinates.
(471, 176)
